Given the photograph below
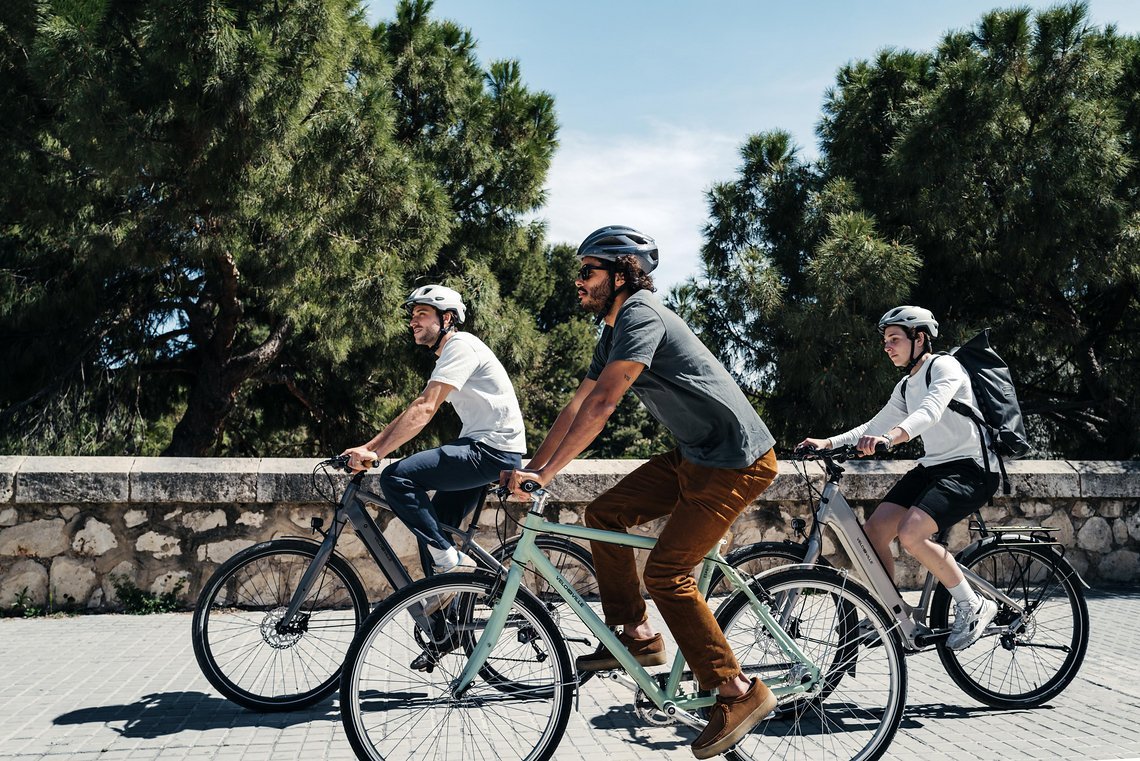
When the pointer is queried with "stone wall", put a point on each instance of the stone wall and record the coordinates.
(68, 525)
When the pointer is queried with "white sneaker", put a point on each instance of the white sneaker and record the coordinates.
(970, 622)
(442, 601)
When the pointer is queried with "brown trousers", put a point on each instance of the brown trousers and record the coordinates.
(701, 503)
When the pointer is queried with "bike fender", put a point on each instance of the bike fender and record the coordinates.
(1023, 539)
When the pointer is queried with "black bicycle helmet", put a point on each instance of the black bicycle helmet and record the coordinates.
(610, 242)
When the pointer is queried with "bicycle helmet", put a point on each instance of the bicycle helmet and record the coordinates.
(441, 297)
(911, 318)
(610, 242)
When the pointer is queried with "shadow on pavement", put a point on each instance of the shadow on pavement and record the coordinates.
(166, 713)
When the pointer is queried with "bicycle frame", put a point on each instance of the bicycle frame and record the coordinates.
(528, 557)
(834, 510)
(352, 510)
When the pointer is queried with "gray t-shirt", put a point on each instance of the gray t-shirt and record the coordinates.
(683, 385)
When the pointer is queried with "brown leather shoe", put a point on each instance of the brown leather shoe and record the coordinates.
(648, 652)
(732, 718)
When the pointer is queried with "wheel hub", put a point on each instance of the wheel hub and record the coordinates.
(272, 632)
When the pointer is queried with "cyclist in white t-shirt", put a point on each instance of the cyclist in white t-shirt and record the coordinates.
(468, 375)
(951, 480)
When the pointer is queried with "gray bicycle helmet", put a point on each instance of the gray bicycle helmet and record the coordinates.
(910, 318)
(441, 297)
(610, 242)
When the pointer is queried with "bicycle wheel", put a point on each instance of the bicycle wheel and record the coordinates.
(391, 710)
(575, 563)
(243, 653)
(855, 709)
(1028, 659)
(753, 559)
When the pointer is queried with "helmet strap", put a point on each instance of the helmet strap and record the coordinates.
(913, 359)
(443, 331)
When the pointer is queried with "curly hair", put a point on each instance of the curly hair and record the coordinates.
(635, 280)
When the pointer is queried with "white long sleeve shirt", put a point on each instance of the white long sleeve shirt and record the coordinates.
(946, 435)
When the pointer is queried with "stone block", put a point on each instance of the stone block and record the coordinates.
(73, 480)
(1095, 535)
(133, 518)
(569, 517)
(43, 539)
(252, 519)
(1110, 508)
(789, 484)
(583, 480)
(158, 545)
(1122, 565)
(220, 552)
(94, 539)
(9, 467)
(1132, 522)
(1042, 479)
(124, 571)
(1061, 520)
(1119, 532)
(170, 581)
(1032, 508)
(287, 479)
(193, 480)
(25, 578)
(204, 520)
(72, 581)
(1115, 479)
(9, 516)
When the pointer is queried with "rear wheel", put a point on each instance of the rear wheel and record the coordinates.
(855, 707)
(1023, 660)
(241, 645)
(751, 560)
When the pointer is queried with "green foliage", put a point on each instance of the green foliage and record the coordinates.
(993, 180)
(138, 602)
(214, 210)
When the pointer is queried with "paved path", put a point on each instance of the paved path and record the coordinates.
(113, 688)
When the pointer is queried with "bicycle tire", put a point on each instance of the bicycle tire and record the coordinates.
(753, 559)
(1026, 667)
(576, 564)
(237, 646)
(856, 708)
(391, 710)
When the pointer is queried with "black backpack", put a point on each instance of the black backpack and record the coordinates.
(996, 398)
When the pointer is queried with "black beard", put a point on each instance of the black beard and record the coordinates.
(598, 299)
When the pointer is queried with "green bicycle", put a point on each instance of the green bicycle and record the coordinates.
(503, 681)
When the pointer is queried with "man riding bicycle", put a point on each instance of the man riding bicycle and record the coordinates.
(951, 480)
(468, 375)
(724, 460)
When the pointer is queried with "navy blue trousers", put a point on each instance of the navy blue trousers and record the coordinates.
(457, 471)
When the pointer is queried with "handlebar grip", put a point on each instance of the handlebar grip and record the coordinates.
(530, 487)
(882, 448)
(374, 464)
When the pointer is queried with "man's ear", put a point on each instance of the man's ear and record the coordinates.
(619, 281)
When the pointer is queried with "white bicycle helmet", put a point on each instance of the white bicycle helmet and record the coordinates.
(910, 318)
(610, 242)
(441, 297)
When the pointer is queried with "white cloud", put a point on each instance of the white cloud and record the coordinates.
(655, 182)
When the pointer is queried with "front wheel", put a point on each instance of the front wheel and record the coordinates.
(245, 651)
(854, 708)
(391, 709)
(1024, 659)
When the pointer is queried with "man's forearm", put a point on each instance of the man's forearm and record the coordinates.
(582, 430)
(554, 437)
(403, 429)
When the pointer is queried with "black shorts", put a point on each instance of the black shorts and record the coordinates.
(948, 492)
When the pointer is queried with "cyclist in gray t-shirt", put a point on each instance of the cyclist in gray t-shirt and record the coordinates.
(723, 461)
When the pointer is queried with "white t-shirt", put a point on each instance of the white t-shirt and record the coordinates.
(483, 397)
(946, 435)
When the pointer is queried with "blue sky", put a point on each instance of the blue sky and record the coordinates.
(655, 98)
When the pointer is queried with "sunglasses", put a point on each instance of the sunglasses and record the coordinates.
(588, 269)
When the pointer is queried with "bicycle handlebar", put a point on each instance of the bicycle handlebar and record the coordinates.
(340, 462)
(838, 454)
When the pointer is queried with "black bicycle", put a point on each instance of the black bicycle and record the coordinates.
(273, 624)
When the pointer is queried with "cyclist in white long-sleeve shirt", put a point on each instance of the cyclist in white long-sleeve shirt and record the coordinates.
(951, 480)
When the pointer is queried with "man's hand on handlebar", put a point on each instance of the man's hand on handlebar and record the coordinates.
(514, 479)
(360, 459)
(810, 444)
(868, 445)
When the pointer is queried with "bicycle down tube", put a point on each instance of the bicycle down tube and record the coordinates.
(528, 557)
